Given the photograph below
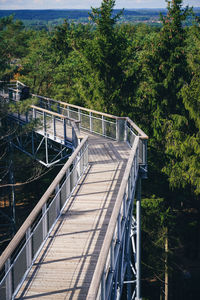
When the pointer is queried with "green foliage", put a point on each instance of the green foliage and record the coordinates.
(39, 64)
(12, 46)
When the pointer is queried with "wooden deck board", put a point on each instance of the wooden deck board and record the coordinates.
(65, 266)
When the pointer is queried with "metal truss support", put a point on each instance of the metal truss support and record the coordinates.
(42, 149)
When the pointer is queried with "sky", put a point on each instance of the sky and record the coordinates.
(85, 4)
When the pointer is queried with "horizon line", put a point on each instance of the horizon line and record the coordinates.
(88, 8)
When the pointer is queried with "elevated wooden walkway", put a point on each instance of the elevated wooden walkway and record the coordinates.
(65, 267)
(82, 239)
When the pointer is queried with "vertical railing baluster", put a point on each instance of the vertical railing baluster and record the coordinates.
(68, 111)
(124, 205)
(103, 126)
(103, 285)
(44, 123)
(91, 129)
(8, 280)
(34, 114)
(54, 127)
(67, 183)
(112, 256)
(79, 114)
(44, 221)
(58, 204)
(129, 188)
(125, 131)
(119, 228)
(65, 130)
(58, 108)
(28, 248)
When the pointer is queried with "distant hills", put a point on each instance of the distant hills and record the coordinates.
(52, 14)
(53, 17)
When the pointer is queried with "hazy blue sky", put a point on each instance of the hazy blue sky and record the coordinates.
(46, 4)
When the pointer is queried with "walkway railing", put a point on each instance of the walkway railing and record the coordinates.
(109, 126)
(107, 266)
(24, 248)
(48, 123)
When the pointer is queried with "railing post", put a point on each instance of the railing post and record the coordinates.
(58, 108)
(112, 257)
(34, 114)
(17, 95)
(103, 285)
(120, 129)
(65, 130)
(144, 152)
(28, 248)
(8, 280)
(44, 221)
(67, 183)
(91, 129)
(58, 204)
(124, 206)
(44, 123)
(129, 187)
(54, 127)
(103, 126)
(68, 111)
(79, 114)
(119, 229)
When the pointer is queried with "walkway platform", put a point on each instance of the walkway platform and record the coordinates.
(65, 267)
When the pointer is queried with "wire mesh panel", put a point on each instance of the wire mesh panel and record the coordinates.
(130, 136)
(85, 121)
(97, 125)
(19, 268)
(110, 129)
(37, 238)
(73, 114)
(59, 128)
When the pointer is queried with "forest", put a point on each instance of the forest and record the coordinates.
(150, 74)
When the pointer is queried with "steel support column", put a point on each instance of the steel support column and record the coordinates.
(138, 243)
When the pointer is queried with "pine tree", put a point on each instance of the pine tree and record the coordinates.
(183, 137)
(102, 57)
(165, 72)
